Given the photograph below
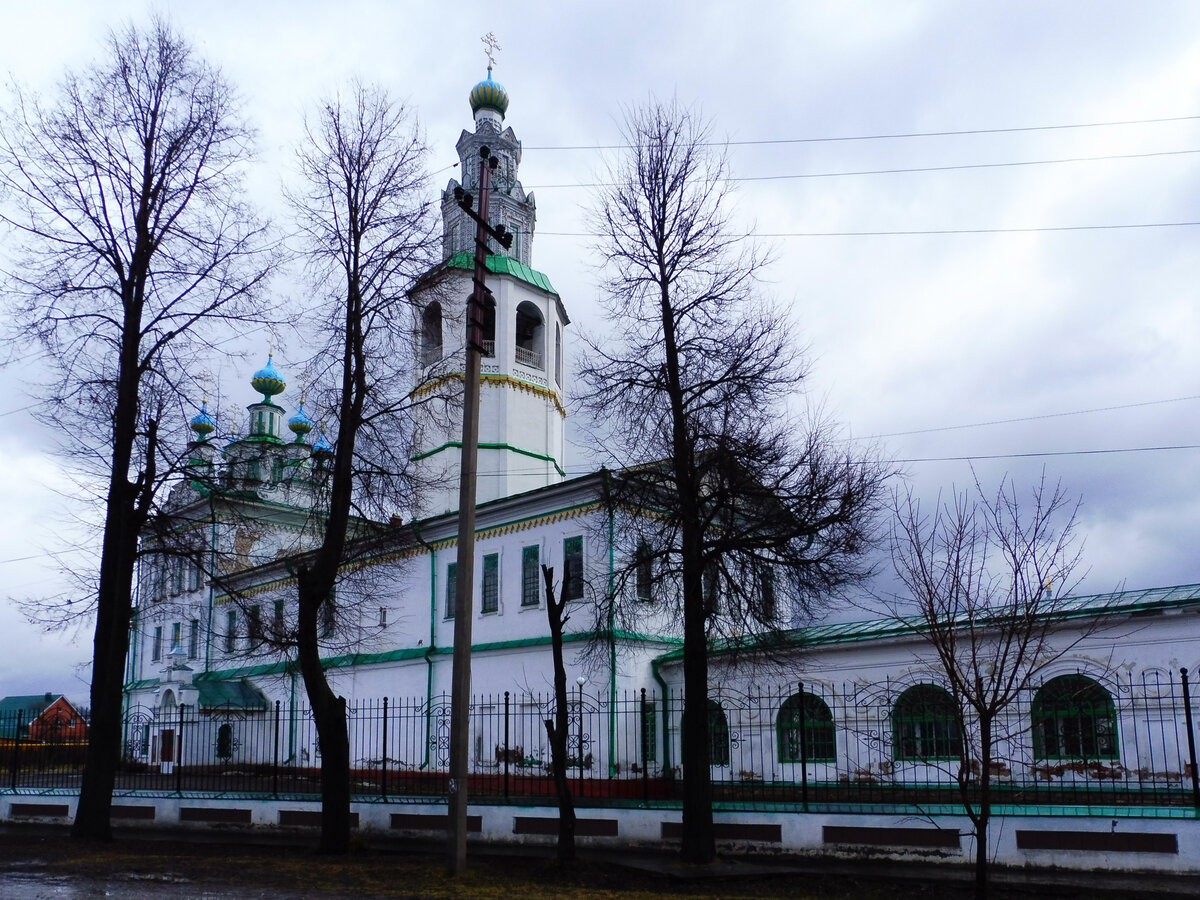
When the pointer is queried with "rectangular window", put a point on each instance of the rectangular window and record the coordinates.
(194, 639)
(645, 571)
(231, 631)
(176, 636)
(712, 590)
(572, 579)
(491, 582)
(383, 617)
(530, 565)
(255, 625)
(328, 617)
(766, 590)
(194, 575)
(177, 576)
(649, 734)
(451, 589)
(156, 648)
(277, 621)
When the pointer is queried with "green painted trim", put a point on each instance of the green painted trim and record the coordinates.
(142, 684)
(457, 445)
(408, 653)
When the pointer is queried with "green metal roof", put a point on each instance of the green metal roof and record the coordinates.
(1144, 600)
(504, 265)
(239, 694)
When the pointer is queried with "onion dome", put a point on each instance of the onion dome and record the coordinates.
(489, 94)
(202, 423)
(267, 380)
(300, 424)
(322, 447)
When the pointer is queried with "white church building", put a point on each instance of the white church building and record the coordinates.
(850, 704)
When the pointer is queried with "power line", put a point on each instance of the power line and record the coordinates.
(927, 231)
(884, 137)
(1074, 412)
(1047, 453)
(954, 168)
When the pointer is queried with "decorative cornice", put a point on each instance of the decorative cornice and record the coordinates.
(498, 381)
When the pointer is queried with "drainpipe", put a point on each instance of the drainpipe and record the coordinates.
(212, 570)
(666, 704)
(429, 651)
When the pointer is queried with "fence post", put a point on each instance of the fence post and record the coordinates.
(383, 762)
(643, 735)
(506, 745)
(275, 756)
(178, 748)
(1191, 736)
(16, 757)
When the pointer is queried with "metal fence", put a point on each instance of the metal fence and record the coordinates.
(1074, 741)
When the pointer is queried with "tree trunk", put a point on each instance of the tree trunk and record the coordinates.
(110, 644)
(329, 716)
(985, 809)
(557, 730)
(123, 521)
(698, 845)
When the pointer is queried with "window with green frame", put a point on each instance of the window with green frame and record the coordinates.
(925, 724)
(491, 582)
(451, 588)
(530, 569)
(572, 585)
(806, 717)
(1074, 718)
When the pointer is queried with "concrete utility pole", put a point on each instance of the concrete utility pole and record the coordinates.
(460, 687)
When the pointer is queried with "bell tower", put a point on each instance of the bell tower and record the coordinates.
(522, 412)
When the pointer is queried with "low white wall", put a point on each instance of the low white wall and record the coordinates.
(1124, 843)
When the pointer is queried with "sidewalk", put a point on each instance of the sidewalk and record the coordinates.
(40, 862)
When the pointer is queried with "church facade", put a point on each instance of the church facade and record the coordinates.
(200, 642)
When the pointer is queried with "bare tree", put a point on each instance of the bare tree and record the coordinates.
(987, 576)
(556, 728)
(126, 191)
(368, 233)
(735, 518)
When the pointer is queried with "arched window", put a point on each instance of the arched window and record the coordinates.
(558, 359)
(489, 329)
(924, 724)
(530, 342)
(1074, 718)
(718, 734)
(806, 716)
(225, 741)
(431, 334)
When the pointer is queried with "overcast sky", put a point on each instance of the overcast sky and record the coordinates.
(986, 329)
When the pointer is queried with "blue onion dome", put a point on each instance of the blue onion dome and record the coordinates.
(300, 424)
(267, 380)
(322, 447)
(202, 424)
(489, 94)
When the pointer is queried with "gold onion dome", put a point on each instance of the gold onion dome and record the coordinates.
(489, 94)
(267, 380)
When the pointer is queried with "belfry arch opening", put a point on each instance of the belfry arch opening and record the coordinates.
(530, 345)
(431, 333)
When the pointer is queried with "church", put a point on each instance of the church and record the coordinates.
(201, 643)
